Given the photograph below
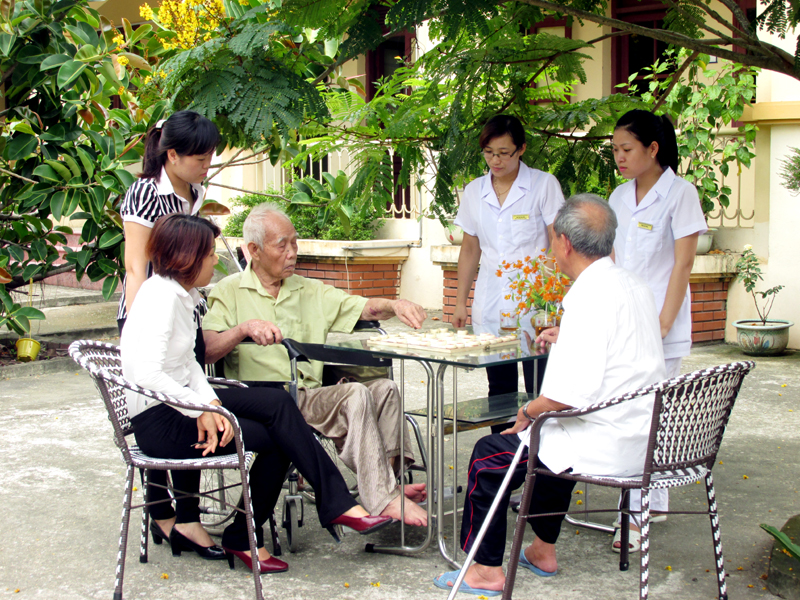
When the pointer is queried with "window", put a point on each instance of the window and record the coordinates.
(632, 53)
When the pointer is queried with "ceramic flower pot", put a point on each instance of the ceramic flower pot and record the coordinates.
(704, 242)
(756, 339)
(27, 349)
(453, 233)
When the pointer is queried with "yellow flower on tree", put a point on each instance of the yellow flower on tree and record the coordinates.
(123, 60)
(192, 21)
(146, 12)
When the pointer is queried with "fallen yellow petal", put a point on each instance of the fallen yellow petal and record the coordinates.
(720, 462)
(579, 502)
(579, 492)
(751, 585)
(740, 568)
(745, 477)
(783, 385)
(135, 488)
(346, 584)
(482, 598)
(376, 584)
(164, 576)
(668, 568)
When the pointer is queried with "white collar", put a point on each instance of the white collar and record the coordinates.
(164, 188)
(659, 190)
(522, 183)
(189, 299)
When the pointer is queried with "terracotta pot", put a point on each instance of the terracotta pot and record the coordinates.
(756, 339)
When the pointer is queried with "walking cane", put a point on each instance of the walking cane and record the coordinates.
(484, 528)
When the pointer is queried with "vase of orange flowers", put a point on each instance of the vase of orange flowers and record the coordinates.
(537, 287)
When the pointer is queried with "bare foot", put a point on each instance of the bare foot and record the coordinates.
(414, 514)
(631, 527)
(196, 533)
(542, 555)
(486, 578)
(357, 512)
(415, 492)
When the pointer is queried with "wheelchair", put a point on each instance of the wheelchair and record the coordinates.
(339, 364)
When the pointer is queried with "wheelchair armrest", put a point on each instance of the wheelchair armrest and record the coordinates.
(362, 325)
(221, 381)
(306, 352)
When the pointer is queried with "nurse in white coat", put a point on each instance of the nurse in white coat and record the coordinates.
(659, 220)
(506, 215)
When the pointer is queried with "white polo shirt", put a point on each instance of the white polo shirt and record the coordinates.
(645, 242)
(609, 344)
(511, 232)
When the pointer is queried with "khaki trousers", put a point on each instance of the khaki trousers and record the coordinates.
(363, 421)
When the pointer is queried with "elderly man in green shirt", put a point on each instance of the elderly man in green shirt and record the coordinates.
(268, 302)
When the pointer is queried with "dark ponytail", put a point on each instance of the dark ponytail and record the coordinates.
(648, 128)
(186, 132)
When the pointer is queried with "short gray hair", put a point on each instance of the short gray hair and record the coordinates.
(589, 223)
(255, 224)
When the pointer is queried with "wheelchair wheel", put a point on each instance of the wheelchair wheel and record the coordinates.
(292, 521)
(215, 514)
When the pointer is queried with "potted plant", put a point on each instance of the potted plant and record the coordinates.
(762, 336)
(536, 286)
(18, 319)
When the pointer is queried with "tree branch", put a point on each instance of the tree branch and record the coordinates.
(12, 174)
(676, 76)
(18, 282)
(778, 60)
(217, 172)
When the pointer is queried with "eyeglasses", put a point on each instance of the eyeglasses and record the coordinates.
(488, 154)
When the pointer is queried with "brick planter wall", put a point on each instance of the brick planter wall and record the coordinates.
(370, 279)
(709, 302)
(450, 293)
(709, 310)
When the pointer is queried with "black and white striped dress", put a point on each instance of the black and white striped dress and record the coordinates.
(146, 201)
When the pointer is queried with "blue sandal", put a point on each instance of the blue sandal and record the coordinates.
(450, 577)
(524, 562)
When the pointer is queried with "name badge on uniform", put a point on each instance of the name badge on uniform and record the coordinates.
(645, 226)
(520, 217)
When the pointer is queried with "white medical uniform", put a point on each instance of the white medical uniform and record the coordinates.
(645, 242)
(645, 245)
(509, 232)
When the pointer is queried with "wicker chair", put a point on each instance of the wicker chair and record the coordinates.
(690, 413)
(103, 363)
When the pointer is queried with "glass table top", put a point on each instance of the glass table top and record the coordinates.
(478, 357)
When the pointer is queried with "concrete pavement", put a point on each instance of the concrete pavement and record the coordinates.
(62, 482)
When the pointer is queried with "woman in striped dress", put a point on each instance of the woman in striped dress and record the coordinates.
(177, 157)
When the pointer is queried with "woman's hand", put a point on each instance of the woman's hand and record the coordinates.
(460, 316)
(209, 424)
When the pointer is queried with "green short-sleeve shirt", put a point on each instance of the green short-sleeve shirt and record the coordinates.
(305, 310)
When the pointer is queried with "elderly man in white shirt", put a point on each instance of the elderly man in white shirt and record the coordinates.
(609, 343)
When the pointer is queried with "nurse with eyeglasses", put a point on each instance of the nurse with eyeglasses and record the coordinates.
(506, 214)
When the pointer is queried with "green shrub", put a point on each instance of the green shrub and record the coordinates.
(310, 222)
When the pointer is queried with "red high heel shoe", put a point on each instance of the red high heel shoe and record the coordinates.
(362, 525)
(271, 565)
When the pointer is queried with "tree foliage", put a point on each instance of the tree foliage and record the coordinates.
(63, 147)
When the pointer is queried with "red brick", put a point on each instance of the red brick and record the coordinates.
(720, 295)
(720, 324)
(697, 306)
(301, 272)
(374, 275)
(705, 336)
(703, 296)
(304, 265)
(714, 305)
(339, 267)
(697, 287)
(341, 284)
(356, 268)
(697, 326)
(718, 335)
(450, 292)
(384, 267)
(703, 316)
(714, 286)
(315, 274)
(373, 293)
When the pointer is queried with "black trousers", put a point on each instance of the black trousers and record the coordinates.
(504, 379)
(491, 459)
(273, 427)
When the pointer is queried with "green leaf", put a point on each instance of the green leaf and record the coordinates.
(86, 160)
(31, 313)
(21, 146)
(87, 53)
(57, 204)
(62, 170)
(302, 198)
(47, 172)
(110, 238)
(109, 286)
(7, 40)
(72, 164)
(142, 31)
(69, 72)
(136, 61)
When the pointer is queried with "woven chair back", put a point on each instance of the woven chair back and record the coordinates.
(103, 360)
(693, 411)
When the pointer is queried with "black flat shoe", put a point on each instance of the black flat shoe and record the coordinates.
(158, 533)
(180, 542)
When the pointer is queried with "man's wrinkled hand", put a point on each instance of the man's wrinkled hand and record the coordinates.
(410, 313)
(521, 423)
(263, 333)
